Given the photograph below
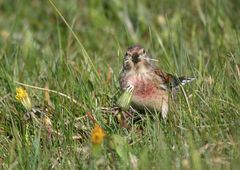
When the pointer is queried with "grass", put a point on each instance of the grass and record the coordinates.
(82, 60)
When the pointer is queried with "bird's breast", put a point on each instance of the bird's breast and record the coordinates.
(144, 86)
(146, 91)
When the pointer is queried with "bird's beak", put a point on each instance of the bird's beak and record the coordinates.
(135, 59)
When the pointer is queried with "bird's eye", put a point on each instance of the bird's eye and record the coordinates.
(143, 51)
(126, 57)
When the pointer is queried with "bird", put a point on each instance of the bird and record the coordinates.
(150, 85)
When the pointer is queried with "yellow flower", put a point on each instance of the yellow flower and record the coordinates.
(97, 135)
(22, 96)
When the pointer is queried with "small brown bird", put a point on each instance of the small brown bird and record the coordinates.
(151, 86)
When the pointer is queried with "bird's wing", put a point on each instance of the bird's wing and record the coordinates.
(170, 81)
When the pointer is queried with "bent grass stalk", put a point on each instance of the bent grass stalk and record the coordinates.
(84, 52)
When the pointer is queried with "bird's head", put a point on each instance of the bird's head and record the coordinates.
(137, 59)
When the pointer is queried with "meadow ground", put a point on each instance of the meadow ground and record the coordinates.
(81, 56)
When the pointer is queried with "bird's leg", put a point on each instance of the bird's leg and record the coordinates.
(164, 110)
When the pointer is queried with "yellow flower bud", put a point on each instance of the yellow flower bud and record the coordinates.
(97, 135)
(22, 96)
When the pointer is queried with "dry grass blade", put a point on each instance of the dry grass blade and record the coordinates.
(186, 98)
(52, 91)
(238, 70)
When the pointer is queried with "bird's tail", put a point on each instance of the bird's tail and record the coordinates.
(185, 80)
(177, 81)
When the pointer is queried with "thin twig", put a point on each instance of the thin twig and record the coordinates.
(91, 117)
(52, 91)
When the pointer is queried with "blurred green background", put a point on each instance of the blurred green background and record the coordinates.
(189, 37)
